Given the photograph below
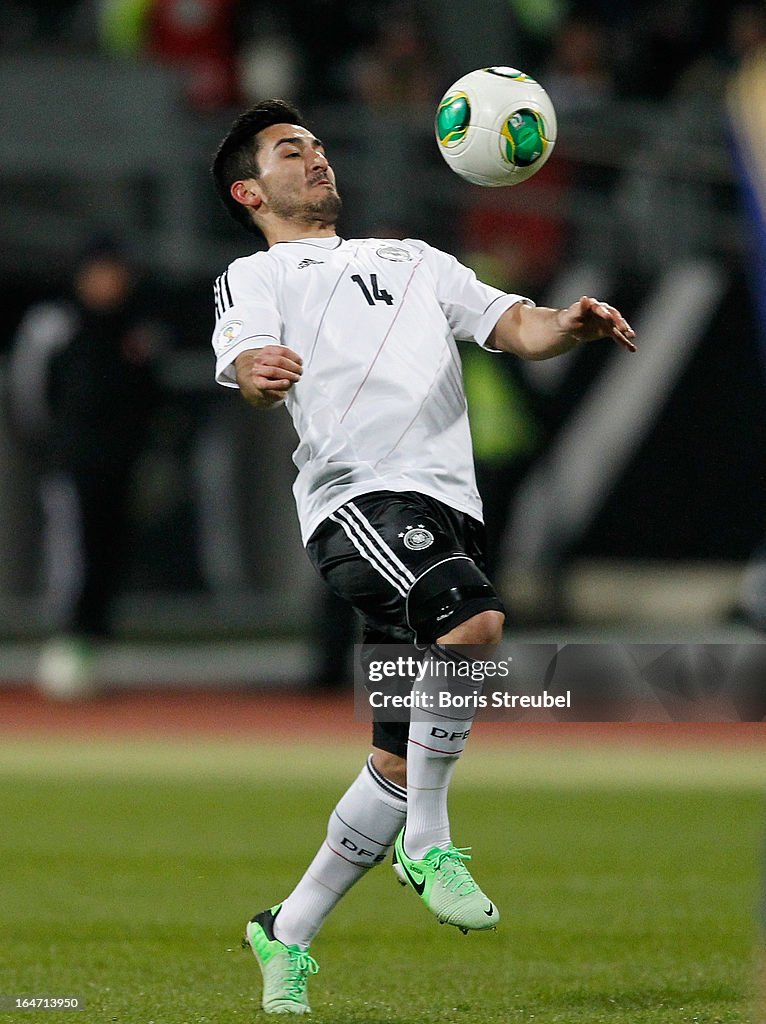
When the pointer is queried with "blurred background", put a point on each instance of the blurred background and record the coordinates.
(624, 495)
(625, 499)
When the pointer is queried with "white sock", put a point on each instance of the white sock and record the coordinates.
(436, 741)
(361, 830)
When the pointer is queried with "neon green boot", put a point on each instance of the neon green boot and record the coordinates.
(285, 969)
(446, 886)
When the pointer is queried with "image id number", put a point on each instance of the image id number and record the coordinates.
(41, 1003)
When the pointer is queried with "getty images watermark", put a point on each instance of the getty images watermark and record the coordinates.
(407, 683)
(565, 682)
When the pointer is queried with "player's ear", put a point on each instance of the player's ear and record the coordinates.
(247, 193)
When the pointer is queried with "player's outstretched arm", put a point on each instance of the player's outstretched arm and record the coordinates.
(265, 375)
(537, 332)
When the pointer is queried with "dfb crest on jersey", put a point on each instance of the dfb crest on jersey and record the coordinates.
(394, 253)
(416, 538)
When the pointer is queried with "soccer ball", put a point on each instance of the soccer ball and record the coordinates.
(496, 126)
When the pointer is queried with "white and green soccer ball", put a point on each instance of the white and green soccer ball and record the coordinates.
(496, 126)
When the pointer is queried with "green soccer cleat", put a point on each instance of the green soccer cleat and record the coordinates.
(285, 969)
(445, 885)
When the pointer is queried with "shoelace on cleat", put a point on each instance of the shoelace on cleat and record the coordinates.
(299, 966)
(455, 875)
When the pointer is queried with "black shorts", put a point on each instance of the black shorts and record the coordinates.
(375, 548)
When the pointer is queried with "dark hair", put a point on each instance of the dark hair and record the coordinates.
(236, 158)
(103, 246)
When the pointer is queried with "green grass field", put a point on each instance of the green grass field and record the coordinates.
(628, 880)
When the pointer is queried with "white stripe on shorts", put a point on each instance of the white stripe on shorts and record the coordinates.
(376, 538)
(367, 548)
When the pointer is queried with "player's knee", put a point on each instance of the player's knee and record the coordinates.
(483, 628)
(447, 591)
(391, 766)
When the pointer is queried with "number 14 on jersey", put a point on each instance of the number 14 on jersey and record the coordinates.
(374, 293)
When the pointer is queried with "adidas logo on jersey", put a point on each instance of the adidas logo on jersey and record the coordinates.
(308, 263)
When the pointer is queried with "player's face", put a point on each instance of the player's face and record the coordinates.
(296, 181)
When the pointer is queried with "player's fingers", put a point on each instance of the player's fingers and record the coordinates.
(595, 306)
(593, 313)
(288, 368)
(282, 355)
(622, 339)
(276, 372)
(622, 325)
(604, 311)
(268, 384)
(621, 330)
(286, 363)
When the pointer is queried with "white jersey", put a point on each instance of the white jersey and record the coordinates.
(380, 404)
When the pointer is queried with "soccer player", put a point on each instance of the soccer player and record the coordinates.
(357, 338)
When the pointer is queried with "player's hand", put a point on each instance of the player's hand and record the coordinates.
(589, 319)
(265, 375)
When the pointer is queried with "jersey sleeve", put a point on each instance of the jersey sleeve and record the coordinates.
(246, 315)
(471, 307)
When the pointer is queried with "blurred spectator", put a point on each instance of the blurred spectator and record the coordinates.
(82, 388)
(743, 38)
(517, 240)
(198, 38)
(579, 73)
(323, 35)
(666, 40)
(398, 69)
(269, 60)
(747, 30)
